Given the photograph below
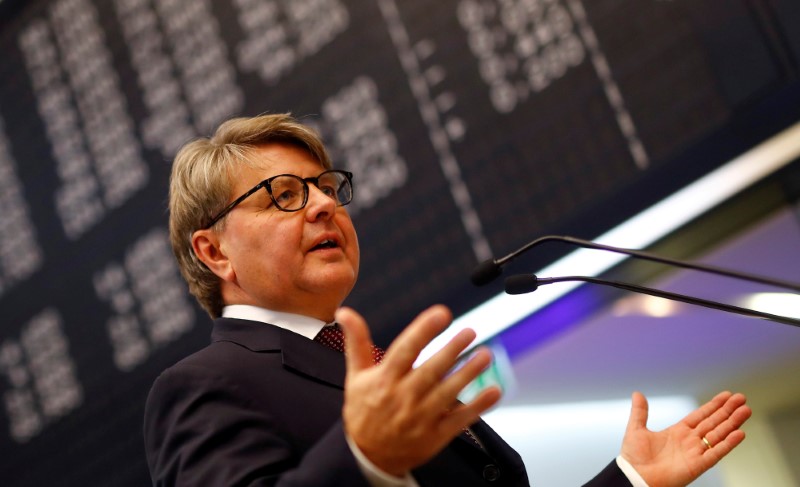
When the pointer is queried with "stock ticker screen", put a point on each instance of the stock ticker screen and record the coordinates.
(472, 127)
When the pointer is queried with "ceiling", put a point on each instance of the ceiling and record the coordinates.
(695, 351)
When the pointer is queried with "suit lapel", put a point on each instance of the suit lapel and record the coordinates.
(299, 354)
(312, 359)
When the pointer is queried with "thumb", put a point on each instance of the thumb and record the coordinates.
(639, 412)
(357, 341)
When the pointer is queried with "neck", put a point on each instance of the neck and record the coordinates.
(319, 307)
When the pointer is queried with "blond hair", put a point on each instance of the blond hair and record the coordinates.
(200, 187)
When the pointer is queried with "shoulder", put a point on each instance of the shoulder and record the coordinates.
(236, 347)
(223, 356)
(219, 366)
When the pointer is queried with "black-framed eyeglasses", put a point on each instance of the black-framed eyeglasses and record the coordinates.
(290, 193)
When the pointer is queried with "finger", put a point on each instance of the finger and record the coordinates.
(463, 415)
(446, 392)
(694, 418)
(729, 426)
(436, 367)
(639, 412)
(721, 414)
(718, 451)
(357, 341)
(406, 347)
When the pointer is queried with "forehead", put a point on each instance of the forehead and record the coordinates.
(271, 159)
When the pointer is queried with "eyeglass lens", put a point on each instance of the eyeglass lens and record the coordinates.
(290, 192)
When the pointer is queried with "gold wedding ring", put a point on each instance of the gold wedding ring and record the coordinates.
(706, 442)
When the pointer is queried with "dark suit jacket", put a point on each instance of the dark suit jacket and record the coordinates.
(262, 406)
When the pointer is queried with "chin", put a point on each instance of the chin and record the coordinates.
(341, 280)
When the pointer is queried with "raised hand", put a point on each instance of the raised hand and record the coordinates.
(398, 416)
(678, 455)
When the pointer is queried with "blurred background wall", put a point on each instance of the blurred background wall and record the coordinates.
(472, 127)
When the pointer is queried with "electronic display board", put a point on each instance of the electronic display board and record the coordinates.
(472, 126)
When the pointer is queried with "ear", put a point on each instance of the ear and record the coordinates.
(208, 248)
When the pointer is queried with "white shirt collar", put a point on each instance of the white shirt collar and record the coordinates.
(302, 325)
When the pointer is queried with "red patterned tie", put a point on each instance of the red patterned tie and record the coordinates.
(333, 337)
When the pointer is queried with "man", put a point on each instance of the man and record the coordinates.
(259, 228)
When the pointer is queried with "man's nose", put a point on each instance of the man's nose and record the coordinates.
(319, 204)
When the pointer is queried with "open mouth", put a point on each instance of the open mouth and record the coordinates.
(326, 244)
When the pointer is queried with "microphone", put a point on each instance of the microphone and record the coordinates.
(486, 272)
(526, 283)
(490, 269)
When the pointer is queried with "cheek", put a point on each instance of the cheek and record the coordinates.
(273, 244)
(349, 231)
(355, 252)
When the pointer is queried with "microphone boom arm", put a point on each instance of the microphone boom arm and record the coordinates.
(525, 283)
(670, 295)
(651, 257)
